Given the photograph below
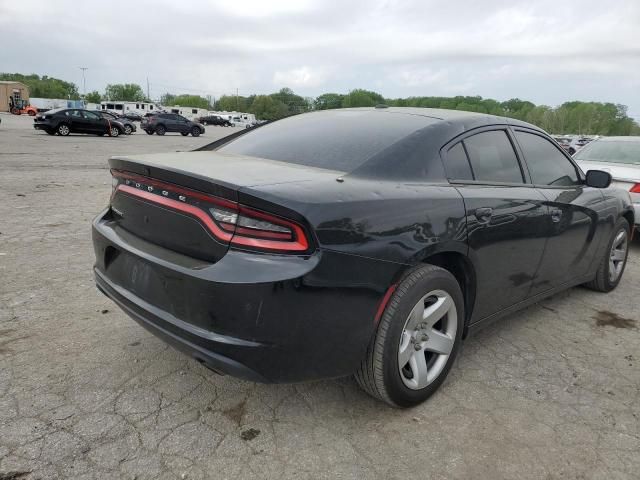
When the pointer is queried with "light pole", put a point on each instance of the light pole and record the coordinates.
(84, 82)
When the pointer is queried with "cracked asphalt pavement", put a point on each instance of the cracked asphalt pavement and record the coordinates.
(85, 393)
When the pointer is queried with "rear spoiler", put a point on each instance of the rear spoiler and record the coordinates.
(224, 140)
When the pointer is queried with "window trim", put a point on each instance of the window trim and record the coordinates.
(579, 173)
(444, 150)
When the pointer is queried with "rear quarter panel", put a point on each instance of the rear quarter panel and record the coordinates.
(391, 221)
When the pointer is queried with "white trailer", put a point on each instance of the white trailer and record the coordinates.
(44, 104)
(121, 108)
(191, 113)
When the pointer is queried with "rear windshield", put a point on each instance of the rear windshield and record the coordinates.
(622, 151)
(334, 140)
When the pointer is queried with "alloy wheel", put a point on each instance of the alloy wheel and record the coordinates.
(427, 339)
(618, 256)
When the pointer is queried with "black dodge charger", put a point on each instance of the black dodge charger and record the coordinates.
(360, 241)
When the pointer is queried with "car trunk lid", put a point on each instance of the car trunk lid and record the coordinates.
(190, 202)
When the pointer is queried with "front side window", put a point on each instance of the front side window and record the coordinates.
(90, 115)
(547, 165)
(493, 158)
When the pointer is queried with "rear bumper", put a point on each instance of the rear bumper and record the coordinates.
(133, 306)
(267, 318)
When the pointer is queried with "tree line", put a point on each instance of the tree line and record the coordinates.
(587, 118)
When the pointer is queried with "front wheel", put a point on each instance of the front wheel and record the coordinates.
(128, 130)
(614, 261)
(114, 132)
(417, 339)
(195, 131)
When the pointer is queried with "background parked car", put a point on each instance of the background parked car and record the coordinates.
(620, 156)
(134, 117)
(64, 121)
(566, 144)
(128, 126)
(214, 120)
(171, 122)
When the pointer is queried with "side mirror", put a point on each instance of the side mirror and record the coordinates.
(598, 179)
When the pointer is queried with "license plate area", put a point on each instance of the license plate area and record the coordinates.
(149, 282)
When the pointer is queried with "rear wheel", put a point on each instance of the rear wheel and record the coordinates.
(417, 339)
(63, 129)
(160, 130)
(195, 131)
(612, 265)
(114, 131)
(128, 130)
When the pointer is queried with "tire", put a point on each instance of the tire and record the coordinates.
(114, 132)
(195, 132)
(160, 130)
(63, 129)
(610, 269)
(31, 113)
(149, 131)
(128, 130)
(380, 374)
(184, 134)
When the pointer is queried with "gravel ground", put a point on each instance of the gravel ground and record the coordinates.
(85, 393)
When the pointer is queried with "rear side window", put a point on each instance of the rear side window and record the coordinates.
(457, 164)
(547, 165)
(492, 157)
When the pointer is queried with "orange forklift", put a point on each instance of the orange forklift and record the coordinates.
(20, 107)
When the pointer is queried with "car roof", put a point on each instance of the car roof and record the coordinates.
(470, 119)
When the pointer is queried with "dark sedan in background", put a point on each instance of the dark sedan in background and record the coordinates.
(63, 121)
(128, 126)
(162, 123)
(366, 241)
(214, 120)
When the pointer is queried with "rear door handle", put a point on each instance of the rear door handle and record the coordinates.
(483, 214)
(556, 214)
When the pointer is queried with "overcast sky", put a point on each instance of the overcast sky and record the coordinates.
(544, 51)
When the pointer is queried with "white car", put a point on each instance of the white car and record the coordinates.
(620, 156)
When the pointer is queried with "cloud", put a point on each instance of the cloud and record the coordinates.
(300, 77)
(546, 51)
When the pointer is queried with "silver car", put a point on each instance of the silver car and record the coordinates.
(620, 156)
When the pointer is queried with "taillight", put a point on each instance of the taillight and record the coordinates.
(228, 221)
(635, 188)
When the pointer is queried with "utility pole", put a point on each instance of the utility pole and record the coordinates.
(84, 82)
(148, 96)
